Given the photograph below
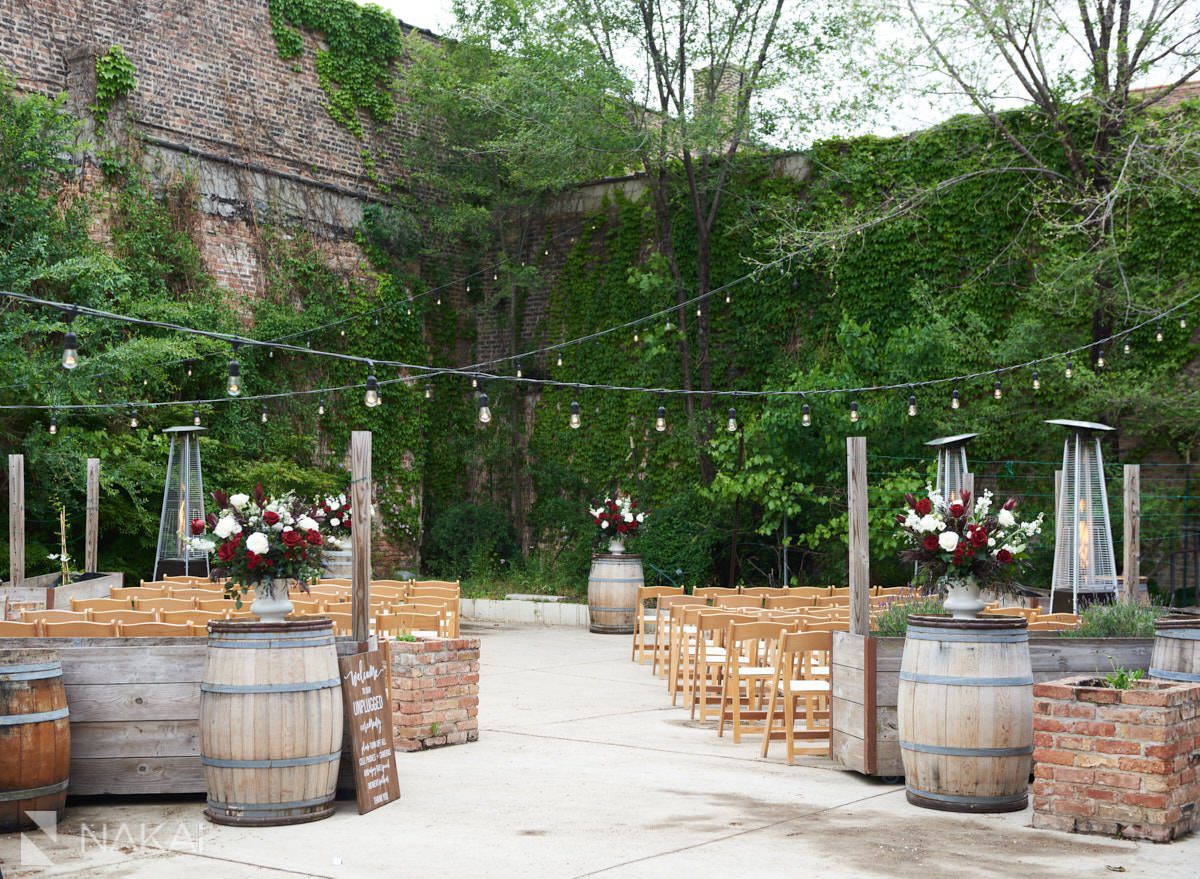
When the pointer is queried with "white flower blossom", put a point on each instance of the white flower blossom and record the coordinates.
(1006, 518)
(200, 544)
(226, 527)
(604, 524)
(306, 523)
(948, 540)
(641, 517)
(334, 522)
(239, 501)
(257, 543)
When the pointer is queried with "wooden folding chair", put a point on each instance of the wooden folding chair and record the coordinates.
(308, 607)
(164, 603)
(346, 607)
(219, 604)
(194, 617)
(682, 627)
(749, 652)
(448, 608)
(827, 626)
(14, 629)
(125, 616)
(813, 591)
(196, 593)
(162, 585)
(78, 630)
(743, 600)
(343, 623)
(334, 581)
(395, 584)
(1029, 613)
(705, 684)
(131, 592)
(798, 676)
(442, 611)
(85, 604)
(662, 636)
(761, 590)
(384, 591)
(647, 614)
(708, 593)
(444, 584)
(421, 625)
(154, 630)
(789, 602)
(56, 616)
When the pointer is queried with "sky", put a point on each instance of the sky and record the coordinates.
(432, 15)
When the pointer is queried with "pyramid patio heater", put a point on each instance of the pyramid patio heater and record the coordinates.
(183, 501)
(1085, 570)
(951, 463)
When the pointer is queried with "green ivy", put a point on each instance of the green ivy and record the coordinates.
(116, 77)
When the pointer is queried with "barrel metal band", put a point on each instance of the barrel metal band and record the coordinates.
(300, 687)
(968, 800)
(14, 719)
(324, 641)
(950, 681)
(7, 796)
(281, 763)
(1004, 636)
(596, 608)
(31, 675)
(271, 807)
(616, 579)
(1179, 634)
(946, 751)
(1186, 677)
(6, 670)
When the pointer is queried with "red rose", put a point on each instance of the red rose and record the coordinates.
(197, 526)
(225, 551)
(931, 542)
(924, 506)
(292, 538)
(979, 537)
(1010, 504)
(956, 510)
(251, 560)
(1004, 557)
(270, 517)
(314, 538)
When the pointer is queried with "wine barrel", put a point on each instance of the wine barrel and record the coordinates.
(1176, 654)
(337, 562)
(35, 738)
(965, 711)
(270, 722)
(612, 593)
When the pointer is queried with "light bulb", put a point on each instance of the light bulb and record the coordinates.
(575, 420)
(145, 383)
(996, 392)
(233, 384)
(133, 421)
(699, 311)
(635, 336)
(495, 276)
(520, 373)
(854, 413)
(53, 424)
(660, 420)
(1100, 359)
(728, 299)
(954, 401)
(1037, 381)
(806, 415)
(560, 359)
(372, 398)
(546, 252)
(474, 382)
(1158, 334)
(1182, 322)
(439, 300)
(428, 392)
(468, 288)
(342, 333)
(70, 358)
(485, 414)
(189, 368)
(321, 408)
(668, 327)
(262, 416)
(731, 421)
(270, 353)
(912, 406)
(195, 417)
(1069, 371)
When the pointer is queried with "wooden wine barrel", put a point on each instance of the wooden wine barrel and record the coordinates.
(965, 711)
(1176, 655)
(612, 593)
(270, 722)
(337, 562)
(35, 738)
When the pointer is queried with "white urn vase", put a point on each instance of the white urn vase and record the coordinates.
(271, 603)
(962, 597)
(616, 546)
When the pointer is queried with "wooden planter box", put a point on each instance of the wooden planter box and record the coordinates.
(135, 712)
(866, 681)
(43, 589)
(1116, 762)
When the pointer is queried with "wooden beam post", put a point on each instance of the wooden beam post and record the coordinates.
(16, 520)
(1131, 572)
(860, 559)
(92, 521)
(360, 509)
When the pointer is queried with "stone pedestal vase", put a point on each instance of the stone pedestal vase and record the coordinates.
(616, 546)
(962, 596)
(271, 603)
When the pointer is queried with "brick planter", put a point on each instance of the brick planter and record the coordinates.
(435, 692)
(1117, 762)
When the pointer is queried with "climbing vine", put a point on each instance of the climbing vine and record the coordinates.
(116, 77)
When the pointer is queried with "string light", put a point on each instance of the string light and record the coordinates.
(1182, 322)
(954, 400)
(428, 392)
(1127, 348)
(668, 327)
(474, 382)
(190, 364)
(1158, 333)
(660, 420)
(1100, 359)
(854, 412)
(1069, 371)
(699, 311)
(806, 415)
(233, 384)
(635, 336)
(263, 416)
(439, 300)
(1037, 381)
(728, 298)
(912, 406)
(575, 421)
(520, 372)
(70, 358)
(731, 424)
(372, 397)
(342, 333)
(485, 414)
(996, 392)
(195, 417)
(560, 358)
(53, 423)
(133, 419)
(270, 353)
(320, 408)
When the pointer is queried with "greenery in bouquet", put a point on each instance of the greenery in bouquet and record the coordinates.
(333, 515)
(617, 518)
(258, 540)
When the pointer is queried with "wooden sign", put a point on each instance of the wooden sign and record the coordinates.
(369, 724)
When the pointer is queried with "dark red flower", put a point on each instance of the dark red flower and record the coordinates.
(931, 542)
(292, 538)
(314, 538)
(197, 526)
(900, 518)
(270, 517)
(1004, 557)
(225, 551)
(957, 509)
(979, 537)
(924, 506)
(1010, 504)
(911, 500)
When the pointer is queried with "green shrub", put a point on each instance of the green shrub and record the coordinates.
(679, 540)
(1117, 621)
(469, 540)
(893, 622)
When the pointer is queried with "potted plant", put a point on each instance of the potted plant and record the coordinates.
(617, 520)
(262, 544)
(615, 577)
(960, 547)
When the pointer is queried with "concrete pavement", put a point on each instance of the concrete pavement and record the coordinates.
(584, 769)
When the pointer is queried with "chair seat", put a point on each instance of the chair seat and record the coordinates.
(805, 686)
(819, 671)
(755, 671)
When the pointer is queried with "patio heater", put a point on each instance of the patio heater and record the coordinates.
(951, 463)
(183, 501)
(1084, 564)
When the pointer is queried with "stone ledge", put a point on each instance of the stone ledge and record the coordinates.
(537, 612)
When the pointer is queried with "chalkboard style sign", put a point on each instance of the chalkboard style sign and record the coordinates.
(369, 723)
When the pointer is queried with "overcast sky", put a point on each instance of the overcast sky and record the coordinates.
(433, 15)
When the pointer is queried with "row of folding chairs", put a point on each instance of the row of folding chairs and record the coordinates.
(98, 629)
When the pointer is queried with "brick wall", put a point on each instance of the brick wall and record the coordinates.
(435, 692)
(1116, 762)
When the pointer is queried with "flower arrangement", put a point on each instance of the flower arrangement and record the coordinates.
(955, 539)
(333, 514)
(617, 518)
(259, 541)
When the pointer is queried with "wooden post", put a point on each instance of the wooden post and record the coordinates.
(92, 521)
(860, 560)
(16, 520)
(1131, 572)
(360, 509)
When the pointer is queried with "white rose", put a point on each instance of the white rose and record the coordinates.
(238, 501)
(1006, 518)
(257, 543)
(604, 524)
(948, 540)
(227, 526)
(305, 523)
(334, 522)
(930, 523)
(628, 517)
(202, 545)
(641, 517)
(991, 541)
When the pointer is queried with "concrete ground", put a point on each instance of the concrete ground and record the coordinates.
(583, 769)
